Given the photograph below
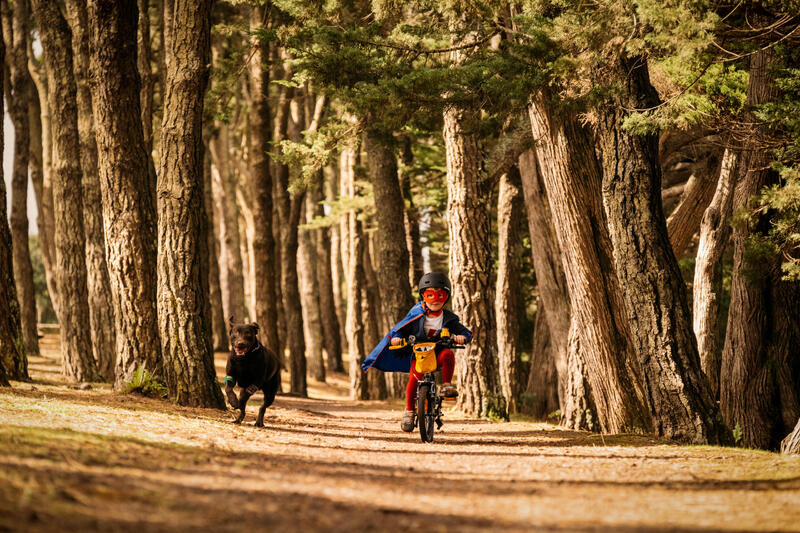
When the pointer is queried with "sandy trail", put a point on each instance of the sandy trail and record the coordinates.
(95, 460)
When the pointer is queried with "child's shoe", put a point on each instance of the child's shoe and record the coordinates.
(407, 424)
(448, 390)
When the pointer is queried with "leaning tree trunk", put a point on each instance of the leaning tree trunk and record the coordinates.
(392, 253)
(791, 444)
(183, 307)
(684, 222)
(507, 294)
(260, 187)
(76, 348)
(552, 284)
(572, 179)
(714, 232)
(469, 230)
(219, 328)
(309, 293)
(101, 313)
(758, 381)
(355, 276)
(327, 299)
(18, 95)
(12, 345)
(129, 215)
(653, 290)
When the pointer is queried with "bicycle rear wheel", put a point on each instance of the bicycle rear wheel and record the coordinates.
(425, 408)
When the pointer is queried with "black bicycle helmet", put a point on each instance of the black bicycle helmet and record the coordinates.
(433, 280)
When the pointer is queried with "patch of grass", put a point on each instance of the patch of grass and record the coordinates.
(143, 383)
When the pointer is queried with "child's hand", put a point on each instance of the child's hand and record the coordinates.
(396, 341)
(460, 339)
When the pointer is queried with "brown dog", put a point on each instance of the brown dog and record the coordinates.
(252, 367)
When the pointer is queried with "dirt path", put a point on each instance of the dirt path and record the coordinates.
(94, 460)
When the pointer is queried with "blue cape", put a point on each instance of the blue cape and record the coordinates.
(400, 360)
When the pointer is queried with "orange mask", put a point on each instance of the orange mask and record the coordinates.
(435, 295)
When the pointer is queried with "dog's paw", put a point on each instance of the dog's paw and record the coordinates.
(259, 423)
(237, 421)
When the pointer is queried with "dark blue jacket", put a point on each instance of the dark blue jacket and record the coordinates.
(413, 324)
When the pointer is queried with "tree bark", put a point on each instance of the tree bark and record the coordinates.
(684, 222)
(411, 219)
(327, 299)
(542, 390)
(760, 363)
(355, 279)
(791, 444)
(572, 180)
(143, 58)
(129, 215)
(70, 245)
(509, 252)
(307, 263)
(18, 96)
(13, 362)
(714, 232)
(219, 327)
(653, 290)
(101, 312)
(183, 307)
(372, 316)
(471, 266)
(261, 187)
(551, 281)
(392, 253)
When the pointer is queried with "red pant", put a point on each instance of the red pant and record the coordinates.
(446, 360)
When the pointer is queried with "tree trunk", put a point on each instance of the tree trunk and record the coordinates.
(551, 281)
(355, 279)
(684, 222)
(219, 327)
(143, 57)
(327, 300)
(75, 332)
(372, 318)
(129, 214)
(714, 232)
(542, 391)
(758, 382)
(509, 252)
(392, 253)
(307, 263)
(572, 179)
(791, 444)
(653, 289)
(101, 313)
(183, 307)
(411, 219)
(260, 186)
(232, 278)
(469, 230)
(18, 95)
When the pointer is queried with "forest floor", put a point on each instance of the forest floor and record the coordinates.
(96, 460)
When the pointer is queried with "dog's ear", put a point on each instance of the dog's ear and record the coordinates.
(255, 327)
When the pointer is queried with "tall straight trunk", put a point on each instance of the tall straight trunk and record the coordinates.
(684, 222)
(469, 230)
(101, 313)
(183, 306)
(13, 361)
(372, 318)
(338, 280)
(143, 58)
(129, 215)
(542, 389)
(18, 95)
(359, 384)
(307, 263)
(231, 266)
(289, 210)
(552, 284)
(219, 328)
(653, 290)
(392, 253)
(507, 292)
(760, 362)
(411, 219)
(248, 229)
(714, 232)
(599, 329)
(76, 349)
(327, 299)
(260, 188)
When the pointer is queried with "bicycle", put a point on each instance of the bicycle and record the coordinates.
(428, 411)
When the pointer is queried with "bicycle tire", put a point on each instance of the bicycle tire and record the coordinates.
(425, 408)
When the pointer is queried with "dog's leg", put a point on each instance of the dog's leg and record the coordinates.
(231, 395)
(270, 388)
(244, 396)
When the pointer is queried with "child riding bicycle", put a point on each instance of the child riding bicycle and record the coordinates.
(425, 321)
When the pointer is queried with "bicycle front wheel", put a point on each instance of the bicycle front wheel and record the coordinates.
(425, 412)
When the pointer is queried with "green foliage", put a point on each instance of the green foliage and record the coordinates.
(737, 434)
(781, 203)
(143, 383)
